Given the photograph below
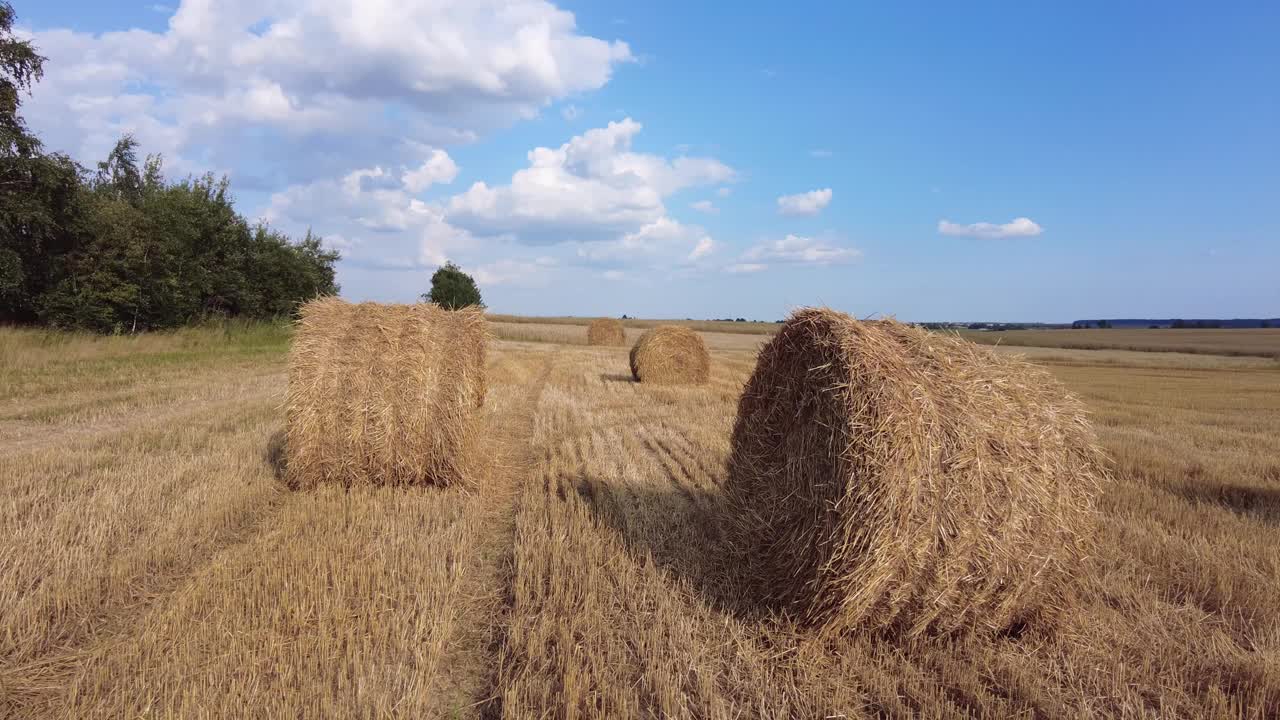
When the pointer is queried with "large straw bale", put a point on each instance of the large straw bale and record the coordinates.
(606, 331)
(383, 394)
(670, 355)
(882, 476)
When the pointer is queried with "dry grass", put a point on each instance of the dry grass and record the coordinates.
(157, 567)
(1136, 359)
(627, 602)
(883, 477)
(152, 566)
(1255, 342)
(569, 334)
(383, 394)
(606, 331)
(670, 355)
(558, 333)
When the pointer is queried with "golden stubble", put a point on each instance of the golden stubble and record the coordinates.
(153, 565)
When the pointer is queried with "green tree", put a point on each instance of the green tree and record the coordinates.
(20, 68)
(452, 289)
(38, 192)
(282, 274)
(121, 249)
(119, 173)
(152, 254)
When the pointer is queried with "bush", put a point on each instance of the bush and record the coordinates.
(452, 289)
(146, 254)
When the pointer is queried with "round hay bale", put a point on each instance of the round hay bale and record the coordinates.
(885, 477)
(606, 331)
(670, 355)
(382, 394)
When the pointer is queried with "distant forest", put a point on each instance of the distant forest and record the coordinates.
(1103, 324)
(1179, 323)
(121, 249)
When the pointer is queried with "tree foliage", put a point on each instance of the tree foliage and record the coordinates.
(451, 288)
(122, 249)
(20, 68)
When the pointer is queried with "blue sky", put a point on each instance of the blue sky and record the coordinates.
(1008, 161)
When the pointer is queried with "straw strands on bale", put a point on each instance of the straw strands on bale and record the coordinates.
(606, 331)
(670, 355)
(382, 394)
(882, 476)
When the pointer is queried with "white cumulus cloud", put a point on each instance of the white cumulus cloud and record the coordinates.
(591, 202)
(535, 272)
(1018, 227)
(809, 203)
(705, 206)
(371, 215)
(437, 168)
(592, 188)
(664, 241)
(237, 80)
(793, 250)
(703, 248)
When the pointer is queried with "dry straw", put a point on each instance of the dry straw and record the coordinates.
(882, 476)
(606, 331)
(670, 355)
(383, 394)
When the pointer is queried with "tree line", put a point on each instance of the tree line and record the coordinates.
(121, 249)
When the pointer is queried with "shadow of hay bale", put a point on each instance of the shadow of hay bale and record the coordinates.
(1260, 503)
(617, 377)
(680, 528)
(276, 454)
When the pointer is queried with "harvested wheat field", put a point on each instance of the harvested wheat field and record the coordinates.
(155, 564)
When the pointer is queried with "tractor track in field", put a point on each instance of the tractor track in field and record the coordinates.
(33, 687)
(475, 652)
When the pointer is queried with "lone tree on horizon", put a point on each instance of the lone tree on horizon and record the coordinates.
(451, 288)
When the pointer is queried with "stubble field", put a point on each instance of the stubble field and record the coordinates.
(1258, 342)
(152, 564)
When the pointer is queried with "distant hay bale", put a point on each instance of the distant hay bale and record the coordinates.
(382, 394)
(882, 476)
(670, 355)
(606, 331)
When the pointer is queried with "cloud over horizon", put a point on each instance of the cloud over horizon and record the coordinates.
(592, 201)
(793, 250)
(1018, 227)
